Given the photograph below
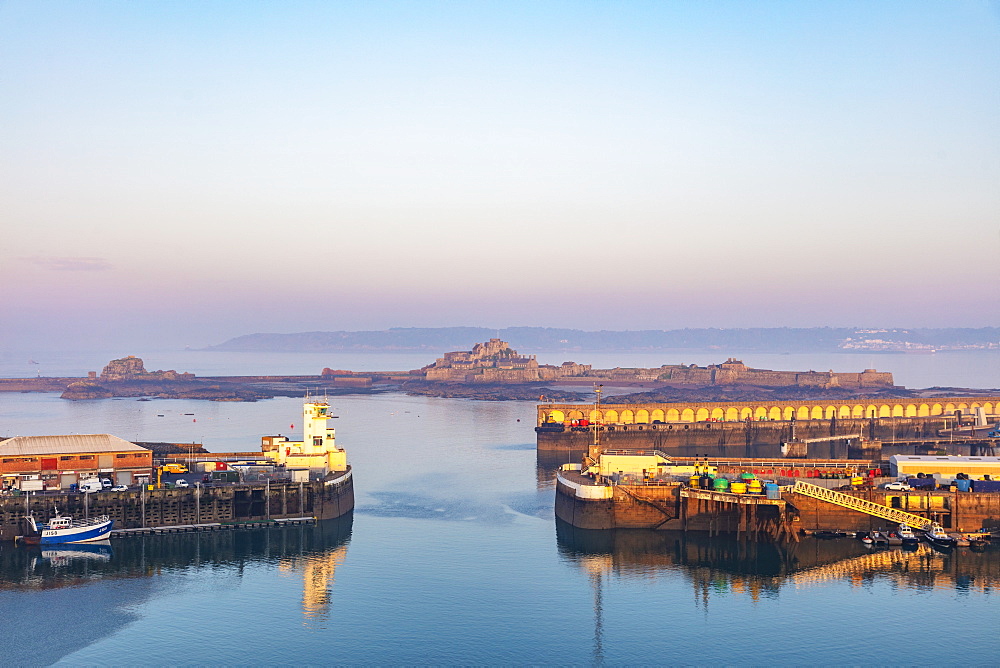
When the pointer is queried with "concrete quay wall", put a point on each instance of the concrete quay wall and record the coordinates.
(744, 439)
(170, 507)
(629, 508)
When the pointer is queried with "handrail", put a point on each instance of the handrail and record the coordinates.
(861, 505)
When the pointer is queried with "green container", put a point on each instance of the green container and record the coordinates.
(746, 475)
(720, 484)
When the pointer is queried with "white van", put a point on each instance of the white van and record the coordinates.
(93, 485)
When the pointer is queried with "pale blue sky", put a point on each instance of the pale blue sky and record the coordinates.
(179, 173)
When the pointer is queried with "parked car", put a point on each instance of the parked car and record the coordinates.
(897, 486)
(181, 482)
(120, 488)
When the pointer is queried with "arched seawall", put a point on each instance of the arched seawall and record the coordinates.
(777, 410)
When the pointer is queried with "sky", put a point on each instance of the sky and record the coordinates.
(180, 173)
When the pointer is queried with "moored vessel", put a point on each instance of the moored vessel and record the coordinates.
(65, 529)
(936, 535)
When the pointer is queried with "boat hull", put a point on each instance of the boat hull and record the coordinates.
(85, 534)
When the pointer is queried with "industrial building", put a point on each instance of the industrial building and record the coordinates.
(58, 462)
(946, 465)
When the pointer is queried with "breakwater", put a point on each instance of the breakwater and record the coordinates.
(242, 502)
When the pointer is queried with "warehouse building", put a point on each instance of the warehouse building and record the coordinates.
(57, 462)
(947, 466)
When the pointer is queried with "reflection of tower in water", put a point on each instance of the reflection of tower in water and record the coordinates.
(596, 565)
(317, 578)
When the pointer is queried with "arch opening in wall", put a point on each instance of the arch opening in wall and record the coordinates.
(555, 416)
(910, 410)
(802, 413)
(717, 414)
(885, 410)
(687, 415)
(628, 417)
(816, 413)
(611, 415)
(657, 414)
(857, 411)
(897, 410)
(642, 416)
(732, 414)
(673, 415)
(937, 409)
(575, 415)
(701, 415)
(844, 412)
(595, 415)
(788, 413)
(774, 413)
(923, 410)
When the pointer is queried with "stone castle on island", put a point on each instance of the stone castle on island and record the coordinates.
(496, 362)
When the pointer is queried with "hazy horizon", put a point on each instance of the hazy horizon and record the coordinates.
(181, 174)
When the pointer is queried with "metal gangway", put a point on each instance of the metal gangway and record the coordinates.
(861, 505)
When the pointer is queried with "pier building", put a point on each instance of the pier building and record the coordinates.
(317, 451)
(57, 462)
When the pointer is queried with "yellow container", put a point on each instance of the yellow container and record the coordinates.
(857, 480)
(754, 486)
(738, 488)
(695, 481)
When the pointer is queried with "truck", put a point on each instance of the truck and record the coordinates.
(174, 468)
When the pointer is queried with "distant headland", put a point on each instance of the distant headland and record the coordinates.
(549, 339)
(491, 370)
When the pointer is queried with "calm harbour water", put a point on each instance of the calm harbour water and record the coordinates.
(453, 557)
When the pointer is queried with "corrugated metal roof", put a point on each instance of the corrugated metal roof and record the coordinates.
(28, 446)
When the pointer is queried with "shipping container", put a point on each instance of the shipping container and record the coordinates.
(986, 485)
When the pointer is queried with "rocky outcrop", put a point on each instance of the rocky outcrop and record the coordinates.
(86, 389)
(131, 368)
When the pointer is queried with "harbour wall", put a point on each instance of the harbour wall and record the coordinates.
(196, 505)
(749, 438)
(663, 507)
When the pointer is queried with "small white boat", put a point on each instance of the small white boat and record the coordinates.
(906, 535)
(64, 529)
(936, 536)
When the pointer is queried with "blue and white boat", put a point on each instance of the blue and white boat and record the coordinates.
(64, 529)
(935, 535)
(906, 534)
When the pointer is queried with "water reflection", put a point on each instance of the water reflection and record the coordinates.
(761, 569)
(311, 551)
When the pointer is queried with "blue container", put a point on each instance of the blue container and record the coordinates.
(771, 491)
(921, 483)
(986, 485)
(963, 485)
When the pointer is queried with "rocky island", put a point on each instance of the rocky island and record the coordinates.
(490, 371)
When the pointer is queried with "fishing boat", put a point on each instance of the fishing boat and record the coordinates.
(935, 535)
(64, 529)
(906, 534)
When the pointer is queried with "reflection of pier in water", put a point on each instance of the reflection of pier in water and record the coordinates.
(762, 569)
(314, 551)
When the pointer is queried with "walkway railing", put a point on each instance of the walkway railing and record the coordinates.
(861, 505)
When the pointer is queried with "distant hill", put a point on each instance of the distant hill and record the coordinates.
(529, 340)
